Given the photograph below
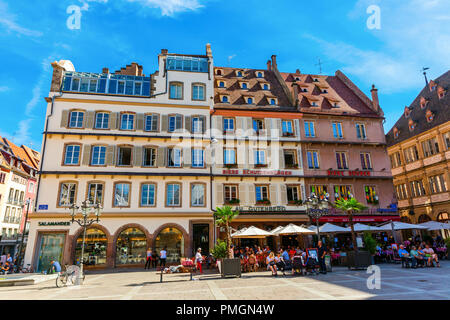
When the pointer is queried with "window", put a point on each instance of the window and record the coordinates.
(197, 158)
(417, 188)
(174, 157)
(228, 124)
(76, 119)
(366, 162)
(176, 90)
(273, 102)
(197, 195)
(151, 122)
(293, 194)
(124, 156)
(72, 155)
(249, 100)
(371, 195)
(360, 131)
(314, 104)
(101, 120)
(239, 73)
(149, 157)
(98, 155)
(259, 74)
(229, 156)
(320, 191)
(313, 159)
(189, 64)
(290, 158)
(148, 194)
(342, 192)
(244, 85)
(127, 121)
(396, 161)
(30, 188)
(262, 194)
(438, 184)
(230, 193)
(122, 195)
(411, 154)
(67, 194)
(401, 191)
(175, 122)
(260, 157)
(337, 130)
(225, 99)
(287, 128)
(265, 86)
(197, 125)
(95, 193)
(430, 147)
(221, 84)
(198, 92)
(429, 115)
(309, 129)
(7, 215)
(173, 195)
(258, 125)
(447, 140)
(341, 160)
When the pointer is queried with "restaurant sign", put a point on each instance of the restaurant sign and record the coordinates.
(261, 209)
(54, 223)
(252, 172)
(349, 173)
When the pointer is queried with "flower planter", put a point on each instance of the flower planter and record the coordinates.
(358, 260)
(230, 267)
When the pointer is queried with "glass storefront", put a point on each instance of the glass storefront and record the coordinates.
(51, 247)
(94, 247)
(172, 240)
(131, 247)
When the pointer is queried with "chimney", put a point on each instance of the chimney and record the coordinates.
(375, 102)
(297, 71)
(274, 61)
(57, 77)
(269, 65)
(105, 70)
(208, 50)
(295, 93)
(164, 51)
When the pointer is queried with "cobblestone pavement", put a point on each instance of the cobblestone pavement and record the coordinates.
(396, 283)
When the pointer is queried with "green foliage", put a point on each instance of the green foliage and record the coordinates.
(225, 215)
(349, 206)
(447, 243)
(428, 239)
(369, 242)
(220, 249)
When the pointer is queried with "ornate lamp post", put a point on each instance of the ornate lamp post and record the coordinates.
(86, 210)
(317, 207)
(19, 257)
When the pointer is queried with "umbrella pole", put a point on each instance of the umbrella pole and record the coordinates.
(393, 232)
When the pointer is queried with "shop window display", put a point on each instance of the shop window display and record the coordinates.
(131, 247)
(172, 240)
(94, 248)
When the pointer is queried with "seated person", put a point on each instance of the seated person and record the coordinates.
(404, 255)
(429, 253)
(415, 256)
(271, 264)
(422, 261)
(6, 268)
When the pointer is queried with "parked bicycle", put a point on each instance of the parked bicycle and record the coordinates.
(68, 276)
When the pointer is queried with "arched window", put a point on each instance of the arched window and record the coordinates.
(405, 219)
(131, 247)
(424, 218)
(94, 248)
(443, 217)
(172, 240)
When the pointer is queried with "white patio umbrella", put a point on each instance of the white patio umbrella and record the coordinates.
(434, 225)
(329, 228)
(397, 225)
(274, 231)
(359, 227)
(251, 232)
(293, 229)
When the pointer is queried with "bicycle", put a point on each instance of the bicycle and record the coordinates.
(68, 276)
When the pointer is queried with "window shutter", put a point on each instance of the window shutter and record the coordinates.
(251, 157)
(299, 158)
(241, 152)
(297, 127)
(65, 118)
(249, 126)
(179, 122)
(155, 122)
(110, 155)
(273, 194)
(218, 154)
(140, 121)
(161, 157)
(187, 123)
(207, 157)
(84, 119)
(90, 115)
(281, 163)
(269, 157)
(219, 194)
(278, 127)
(113, 119)
(203, 119)
(283, 194)
(268, 126)
(86, 154)
(137, 156)
(164, 122)
(243, 193)
(251, 194)
(218, 125)
(187, 157)
(240, 124)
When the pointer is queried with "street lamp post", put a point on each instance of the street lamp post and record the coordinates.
(19, 257)
(316, 208)
(86, 209)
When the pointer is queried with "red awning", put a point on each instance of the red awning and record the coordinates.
(359, 218)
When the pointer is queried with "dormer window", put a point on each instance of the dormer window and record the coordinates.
(441, 92)
(316, 80)
(219, 72)
(297, 79)
(273, 101)
(324, 91)
(423, 102)
(304, 90)
(314, 104)
(249, 100)
(432, 85)
(429, 115)
(221, 84)
(259, 74)
(224, 99)
(239, 73)
(411, 125)
(244, 85)
(407, 112)
(336, 105)
(396, 133)
(265, 86)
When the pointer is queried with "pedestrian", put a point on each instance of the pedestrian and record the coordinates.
(322, 251)
(149, 259)
(162, 257)
(55, 266)
(199, 260)
(154, 259)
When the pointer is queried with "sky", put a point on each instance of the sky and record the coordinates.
(381, 42)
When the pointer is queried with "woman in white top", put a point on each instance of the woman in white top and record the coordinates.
(162, 257)
(271, 264)
(199, 260)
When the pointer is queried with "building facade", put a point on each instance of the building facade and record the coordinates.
(419, 150)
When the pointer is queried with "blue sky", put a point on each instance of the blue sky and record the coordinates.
(243, 33)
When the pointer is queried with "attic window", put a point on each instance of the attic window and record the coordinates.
(244, 85)
(325, 91)
(429, 115)
(396, 133)
(239, 73)
(314, 104)
(218, 72)
(304, 90)
(316, 80)
(335, 105)
(441, 92)
(221, 84)
(249, 100)
(423, 102)
(273, 101)
(265, 86)
(407, 112)
(259, 74)
(411, 125)
(224, 99)
(297, 79)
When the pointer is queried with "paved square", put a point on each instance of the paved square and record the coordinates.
(396, 283)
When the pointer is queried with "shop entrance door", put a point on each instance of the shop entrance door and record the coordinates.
(200, 238)
(51, 247)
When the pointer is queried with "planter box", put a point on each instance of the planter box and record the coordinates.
(358, 260)
(230, 267)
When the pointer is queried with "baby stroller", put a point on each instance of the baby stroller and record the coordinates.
(298, 265)
(312, 265)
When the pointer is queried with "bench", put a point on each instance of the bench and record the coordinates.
(191, 270)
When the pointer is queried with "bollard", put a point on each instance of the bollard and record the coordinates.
(161, 275)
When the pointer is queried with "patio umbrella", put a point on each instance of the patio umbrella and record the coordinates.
(274, 231)
(434, 225)
(397, 225)
(329, 228)
(251, 232)
(293, 229)
(359, 227)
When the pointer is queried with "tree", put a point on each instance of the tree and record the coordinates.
(224, 216)
(350, 206)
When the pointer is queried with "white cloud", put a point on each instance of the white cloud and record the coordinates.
(8, 20)
(170, 7)
(4, 88)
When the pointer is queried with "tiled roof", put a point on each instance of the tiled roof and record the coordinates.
(22, 154)
(438, 106)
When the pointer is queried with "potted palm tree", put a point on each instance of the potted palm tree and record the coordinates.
(356, 259)
(228, 266)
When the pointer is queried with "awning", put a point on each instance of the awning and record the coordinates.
(251, 232)
(396, 225)
(292, 229)
(368, 218)
(434, 225)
